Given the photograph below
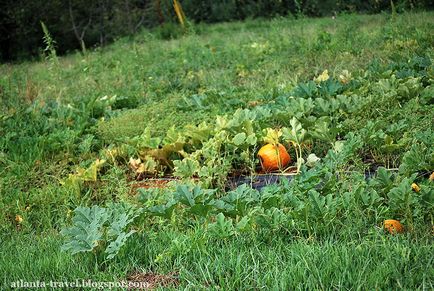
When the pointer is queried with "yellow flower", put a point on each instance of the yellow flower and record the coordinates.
(415, 187)
(345, 77)
(431, 177)
(323, 77)
(18, 218)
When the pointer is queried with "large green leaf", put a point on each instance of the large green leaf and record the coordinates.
(86, 231)
(186, 167)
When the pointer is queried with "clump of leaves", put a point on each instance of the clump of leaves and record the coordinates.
(420, 157)
(223, 227)
(195, 198)
(100, 230)
(90, 174)
(295, 135)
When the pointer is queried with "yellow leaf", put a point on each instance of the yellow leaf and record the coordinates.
(273, 136)
(18, 218)
(72, 182)
(415, 187)
(141, 169)
(323, 77)
(90, 174)
(135, 163)
(345, 77)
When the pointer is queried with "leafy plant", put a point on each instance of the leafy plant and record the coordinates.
(295, 135)
(50, 44)
(165, 210)
(75, 181)
(271, 219)
(95, 228)
(195, 198)
(402, 200)
(420, 157)
(223, 227)
(85, 234)
(238, 201)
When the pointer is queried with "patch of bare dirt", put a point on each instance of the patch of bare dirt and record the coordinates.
(149, 281)
(147, 184)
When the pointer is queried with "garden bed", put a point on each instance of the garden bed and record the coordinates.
(256, 181)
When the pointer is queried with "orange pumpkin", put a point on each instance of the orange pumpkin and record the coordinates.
(393, 226)
(273, 157)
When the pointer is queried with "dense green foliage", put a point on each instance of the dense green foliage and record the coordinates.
(77, 24)
(80, 134)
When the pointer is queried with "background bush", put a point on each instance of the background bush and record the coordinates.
(75, 23)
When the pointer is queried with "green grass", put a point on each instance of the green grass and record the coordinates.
(239, 61)
(241, 263)
(53, 118)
